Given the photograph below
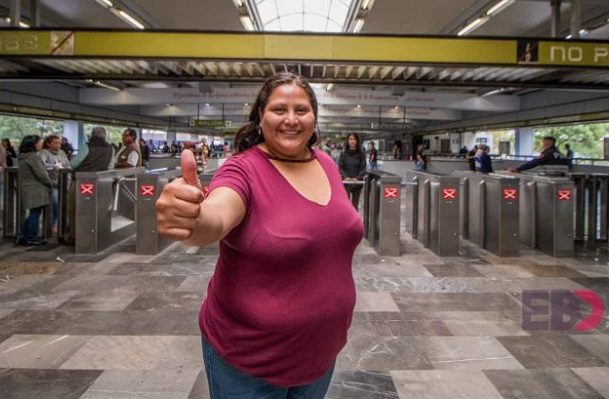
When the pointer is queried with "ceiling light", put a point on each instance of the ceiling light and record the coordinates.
(102, 84)
(246, 21)
(473, 25)
(358, 106)
(500, 6)
(396, 107)
(247, 104)
(129, 19)
(583, 32)
(21, 23)
(359, 23)
(238, 3)
(330, 86)
(367, 4)
(569, 36)
(105, 3)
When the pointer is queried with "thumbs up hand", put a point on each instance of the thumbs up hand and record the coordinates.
(179, 205)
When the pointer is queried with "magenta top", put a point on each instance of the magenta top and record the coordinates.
(281, 299)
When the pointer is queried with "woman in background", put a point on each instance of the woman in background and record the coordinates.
(35, 188)
(352, 166)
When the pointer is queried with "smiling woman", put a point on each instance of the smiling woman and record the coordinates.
(281, 299)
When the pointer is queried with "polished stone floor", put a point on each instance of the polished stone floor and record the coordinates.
(124, 326)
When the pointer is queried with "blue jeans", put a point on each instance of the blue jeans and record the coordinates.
(30, 224)
(226, 382)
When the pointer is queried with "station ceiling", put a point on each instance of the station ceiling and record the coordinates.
(488, 73)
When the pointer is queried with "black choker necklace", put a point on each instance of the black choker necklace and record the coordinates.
(274, 158)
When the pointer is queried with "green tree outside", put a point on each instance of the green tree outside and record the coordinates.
(16, 128)
(586, 141)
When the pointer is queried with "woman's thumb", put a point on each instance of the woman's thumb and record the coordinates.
(189, 169)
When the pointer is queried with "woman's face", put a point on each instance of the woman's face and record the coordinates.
(55, 145)
(38, 145)
(287, 121)
(352, 142)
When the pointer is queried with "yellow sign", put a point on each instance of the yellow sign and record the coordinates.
(302, 48)
(574, 53)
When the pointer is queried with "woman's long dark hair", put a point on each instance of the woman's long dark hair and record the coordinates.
(249, 134)
(28, 143)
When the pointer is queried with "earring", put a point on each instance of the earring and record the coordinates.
(259, 131)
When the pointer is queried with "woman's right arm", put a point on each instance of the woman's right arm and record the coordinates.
(184, 214)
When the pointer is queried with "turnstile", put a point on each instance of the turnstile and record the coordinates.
(546, 214)
(104, 204)
(489, 211)
(149, 188)
(591, 211)
(382, 196)
(432, 211)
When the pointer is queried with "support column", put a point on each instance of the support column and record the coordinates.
(35, 13)
(524, 141)
(576, 18)
(171, 136)
(15, 13)
(73, 131)
(555, 28)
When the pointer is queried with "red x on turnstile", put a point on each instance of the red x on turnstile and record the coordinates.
(391, 192)
(564, 195)
(147, 190)
(87, 189)
(449, 193)
(510, 194)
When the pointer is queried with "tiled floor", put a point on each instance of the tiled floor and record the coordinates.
(125, 326)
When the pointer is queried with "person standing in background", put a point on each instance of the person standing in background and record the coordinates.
(129, 155)
(352, 166)
(145, 150)
(35, 189)
(372, 156)
(10, 152)
(569, 154)
(67, 148)
(420, 162)
(54, 159)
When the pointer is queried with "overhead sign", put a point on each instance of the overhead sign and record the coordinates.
(301, 47)
(389, 126)
(213, 123)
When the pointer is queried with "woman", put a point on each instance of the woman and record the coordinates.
(54, 159)
(281, 299)
(10, 152)
(35, 188)
(420, 162)
(352, 166)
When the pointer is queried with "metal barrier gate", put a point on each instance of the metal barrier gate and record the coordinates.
(591, 211)
(432, 211)
(489, 211)
(149, 188)
(546, 214)
(104, 208)
(12, 214)
(382, 195)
